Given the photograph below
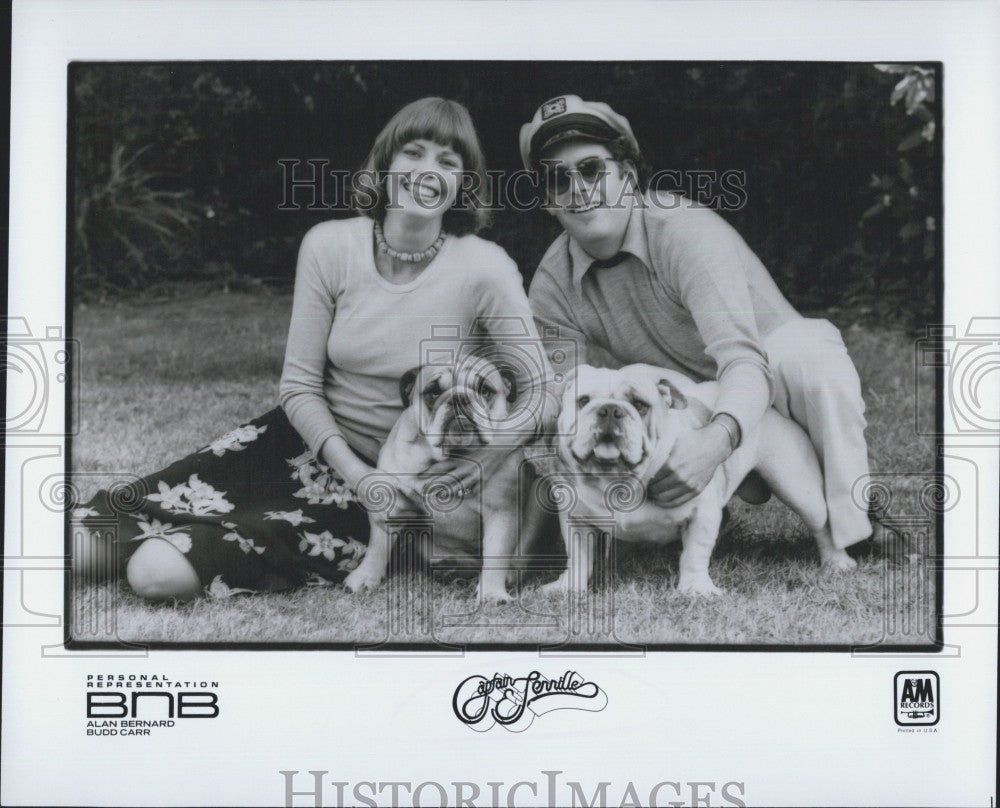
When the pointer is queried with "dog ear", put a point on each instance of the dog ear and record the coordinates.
(674, 398)
(570, 375)
(406, 383)
(509, 383)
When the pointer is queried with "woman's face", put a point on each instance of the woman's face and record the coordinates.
(424, 178)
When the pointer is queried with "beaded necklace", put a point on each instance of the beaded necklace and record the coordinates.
(409, 258)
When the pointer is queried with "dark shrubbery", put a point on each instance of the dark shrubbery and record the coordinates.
(128, 232)
(900, 230)
(176, 173)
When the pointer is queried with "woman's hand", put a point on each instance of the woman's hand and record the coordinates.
(689, 467)
(464, 474)
(406, 498)
(367, 483)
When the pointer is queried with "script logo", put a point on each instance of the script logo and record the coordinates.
(513, 703)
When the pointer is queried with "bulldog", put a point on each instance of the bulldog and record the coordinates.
(455, 414)
(625, 422)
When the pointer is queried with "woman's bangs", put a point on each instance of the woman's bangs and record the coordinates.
(442, 124)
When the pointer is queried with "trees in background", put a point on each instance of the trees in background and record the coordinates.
(176, 174)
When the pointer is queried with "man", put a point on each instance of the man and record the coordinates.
(640, 276)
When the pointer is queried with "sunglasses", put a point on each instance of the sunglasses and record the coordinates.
(589, 169)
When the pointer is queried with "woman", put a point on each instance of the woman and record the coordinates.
(272, 505)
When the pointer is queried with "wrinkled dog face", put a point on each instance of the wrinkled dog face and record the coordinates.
(458, 406)
(611, 420)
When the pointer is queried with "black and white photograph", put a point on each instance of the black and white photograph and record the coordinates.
(424, 342)
(381, 371)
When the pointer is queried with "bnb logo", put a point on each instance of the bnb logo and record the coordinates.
(195, 704)
(917, 695)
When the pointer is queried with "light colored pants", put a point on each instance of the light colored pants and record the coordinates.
(817, 386)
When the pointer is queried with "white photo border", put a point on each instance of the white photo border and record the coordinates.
(719, 718)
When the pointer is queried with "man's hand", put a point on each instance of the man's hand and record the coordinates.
(692, 462)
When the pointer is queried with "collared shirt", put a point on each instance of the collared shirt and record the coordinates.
(688, 294)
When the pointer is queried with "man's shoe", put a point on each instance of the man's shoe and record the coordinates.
(885, 541)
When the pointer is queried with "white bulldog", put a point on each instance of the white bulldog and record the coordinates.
(455, 413)
(625, 422)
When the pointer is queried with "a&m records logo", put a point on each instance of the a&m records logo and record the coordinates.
(513, 702)
(917, 696)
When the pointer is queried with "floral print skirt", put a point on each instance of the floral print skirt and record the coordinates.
(252, 512)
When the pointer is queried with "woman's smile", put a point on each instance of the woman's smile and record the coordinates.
(422, 188)
(586, 207)
(428, 173)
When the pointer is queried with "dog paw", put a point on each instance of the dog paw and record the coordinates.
(362, 579)
(562, 587)
(566, 584)
(556, 587)
(699, 587)
(838, 560)
(493, 596)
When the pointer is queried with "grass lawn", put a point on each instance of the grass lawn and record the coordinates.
(157, 380)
